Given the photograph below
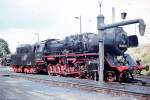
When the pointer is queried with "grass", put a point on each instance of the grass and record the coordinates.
(142, 52)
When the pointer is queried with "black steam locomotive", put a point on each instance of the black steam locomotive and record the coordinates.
(77, 56)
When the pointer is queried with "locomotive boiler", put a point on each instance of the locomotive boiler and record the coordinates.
(77, 56)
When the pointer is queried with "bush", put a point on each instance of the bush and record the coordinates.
(141, 52)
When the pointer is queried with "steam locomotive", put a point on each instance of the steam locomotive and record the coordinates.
(77, 56)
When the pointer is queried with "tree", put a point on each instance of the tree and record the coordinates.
(4, 50)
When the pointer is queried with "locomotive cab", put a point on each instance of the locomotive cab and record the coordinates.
(38, 49)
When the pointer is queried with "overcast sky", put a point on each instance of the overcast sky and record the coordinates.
(20, 19)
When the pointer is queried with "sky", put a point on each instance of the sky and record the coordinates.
(21, 19)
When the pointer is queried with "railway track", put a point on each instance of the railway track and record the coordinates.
(143, 77)
(122, 89)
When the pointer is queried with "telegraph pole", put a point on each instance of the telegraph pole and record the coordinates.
(79, 18)
(38, 38)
